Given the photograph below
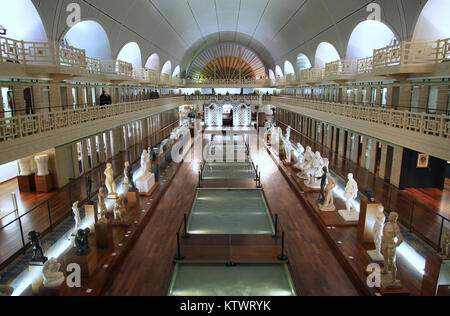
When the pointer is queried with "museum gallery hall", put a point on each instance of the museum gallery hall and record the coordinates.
(224, 148)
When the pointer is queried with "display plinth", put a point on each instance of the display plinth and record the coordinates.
(392, 289)
(44, 184)
(26, 183)
(330, 208)
(51, 292)
(146, 184)
(104, 234)
(91, 215)
(87, 263)
(133, 199)
(302, 185)
(36, 269)
(375, 256)
(349, 217)
(367, 218)
(149, 193)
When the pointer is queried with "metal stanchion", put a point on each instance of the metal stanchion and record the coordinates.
(185, 234)
(282, 256)
(276, 227)
(178, 257)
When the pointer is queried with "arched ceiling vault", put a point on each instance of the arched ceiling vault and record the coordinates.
(285, 28)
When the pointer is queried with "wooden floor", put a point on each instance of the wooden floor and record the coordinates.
(433, 198)
(147, 268)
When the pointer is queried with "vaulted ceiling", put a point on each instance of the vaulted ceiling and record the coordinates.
(276, 30)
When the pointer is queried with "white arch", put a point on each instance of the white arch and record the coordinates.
(131, 53)
(279, 72)
(366, 37)
(176, 72)
(303, 62)
(153, 62)
(22, 21)
(434, 21)
(167, 68)
(91, 36)
(271, 74)
(325, 53)
(288, 68)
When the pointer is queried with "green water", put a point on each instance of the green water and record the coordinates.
(230, 212)
(229, 170)
(241, 280)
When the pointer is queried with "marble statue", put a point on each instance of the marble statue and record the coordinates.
(102, 209)
(314, 172)
(351, 193)
(288, 134)
(145, 180)
(6, 290)
(445, 244)
(377, 230)
(52, 277)
(38, 253)
(299, 156)
(304, 166)
(42, 165)
(25, 166)
(120, 211)
(82, 242)
(328, 204)
(109, 181)
(391, 240)
(76, 216)
(89, 183)
(287, 150)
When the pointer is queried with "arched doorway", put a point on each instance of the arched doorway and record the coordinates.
(214, 115)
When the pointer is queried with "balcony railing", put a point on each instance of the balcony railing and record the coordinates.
(27, 125)
(341, 67)
(422, 123)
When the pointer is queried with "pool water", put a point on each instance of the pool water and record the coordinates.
(229, 170)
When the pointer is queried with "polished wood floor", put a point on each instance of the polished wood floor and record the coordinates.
(147, 268)
(433, 198)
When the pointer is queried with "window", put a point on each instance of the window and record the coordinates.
(46, 99)
(28, 99)
(415, 94)
(373, 97)
(432, 99)
(8, 101)
(384, 97)
(364, 96)
(94, 97)
(75, 97)
(356, 96)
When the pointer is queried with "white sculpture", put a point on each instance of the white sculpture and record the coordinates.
(42, 165)
(350, 214)
(52, 277)
(305, 165)
(126, 181)
(314, 171)
(144, 179)
(25, 166)
(392, 239)
(288, 134)
(109, 182)
(328, 205)
(120, 211)
(76, 216)
(299, 156)
(288, 150)
(102, 209)
(380, 220)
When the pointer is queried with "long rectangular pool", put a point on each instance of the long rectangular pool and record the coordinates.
(228, 170)
(260, 279)
(230, 212)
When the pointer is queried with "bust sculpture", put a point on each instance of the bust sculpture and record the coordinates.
(38, 253)
(109, 181)
(42, 165)
(328, 204)
(377, 230)
(391, 240)
(102, 210)
(52, 277)
(82, 242)
(89, 183)
(76, 216)
(25, 166)
(350, 194)
(120, 211)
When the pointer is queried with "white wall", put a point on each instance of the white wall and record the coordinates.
(8, 171)
(434, 21)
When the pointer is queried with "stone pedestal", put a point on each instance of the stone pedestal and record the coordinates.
(352, 216)
(44, 184)
(330, 208)
(104, 235)
(133, 199)
(375, 256)
(146, 185)
(26, 183)
(36, 269)
(91, 215)
(87, 263)
(51, 292)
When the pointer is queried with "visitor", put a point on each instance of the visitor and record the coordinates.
(103, 98)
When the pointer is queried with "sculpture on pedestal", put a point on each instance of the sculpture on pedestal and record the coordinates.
(102, 210)
(25, 166)
(350, 194)
(82, 242)
(38, 253)
(76, 216)
(328, 204)
(323, 185)
(315, 171)
(42, 165)
(145, 180)
(89, 183)
(52, 277)
(109, 181)
(288, 134)
(380, 220)
(304, 166)
(299, 156)
(392, 239)
(445, 245)
(120, 211)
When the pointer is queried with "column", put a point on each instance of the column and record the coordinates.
(373, 149)
(75, 163)
(19, 101)
(364, 153)
(397, 161)
(383, 161)
(109, 152)
(349, 146)
(329, 137)
(63, 165)
(94, 152)
(341, 149)
(101, 145)
(335, 138)
(85, 155)
(117, 140)
(423, 98)
(443, 96)
(355, 148)
(55, 97)
(404, 100)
